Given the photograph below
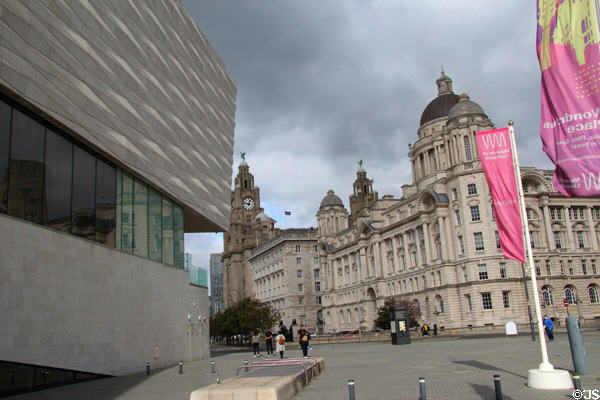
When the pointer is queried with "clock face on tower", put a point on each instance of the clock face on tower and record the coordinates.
(248, 203)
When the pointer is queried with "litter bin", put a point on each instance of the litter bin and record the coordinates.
(399, 325)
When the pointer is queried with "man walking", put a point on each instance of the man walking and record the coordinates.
(549, 327)
(269, 343)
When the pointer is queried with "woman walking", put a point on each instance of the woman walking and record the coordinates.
(280, 344)
(255, 343)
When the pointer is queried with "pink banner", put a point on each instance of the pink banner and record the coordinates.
(497, 161)
(567, 47)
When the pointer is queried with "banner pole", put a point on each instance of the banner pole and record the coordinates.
(545, 365)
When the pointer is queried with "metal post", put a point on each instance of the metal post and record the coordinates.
(212, 367)
(576, 382)
(147, 368)
(245, 365)
(498, 387)
(180, 367)
(528, 305)
(351, 389)
(422, 388)
(576, 343)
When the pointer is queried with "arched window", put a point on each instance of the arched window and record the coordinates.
(337, 224)
(328, 225)
(349, 315)
(440, 304)
(356, 315)
(547, 296)
(570, 294)
(341, 316)
(593, 293)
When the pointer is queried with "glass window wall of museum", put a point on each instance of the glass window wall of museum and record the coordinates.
(48, 179)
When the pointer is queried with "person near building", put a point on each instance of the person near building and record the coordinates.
(425, 329)
(280, 343)
(549, 328)
(269, 342)
(255, 343)
(304, 341)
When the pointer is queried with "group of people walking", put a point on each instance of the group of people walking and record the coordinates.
(303, 339)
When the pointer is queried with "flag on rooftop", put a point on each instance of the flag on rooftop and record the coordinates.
(567, 48)
(287, 212)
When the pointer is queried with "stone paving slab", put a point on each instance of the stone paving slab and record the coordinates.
(454, 369)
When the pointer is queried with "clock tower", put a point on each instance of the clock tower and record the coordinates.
(249, 227)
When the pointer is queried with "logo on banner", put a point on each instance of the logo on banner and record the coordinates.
(494, 140)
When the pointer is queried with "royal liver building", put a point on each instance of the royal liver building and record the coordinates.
(438, 245)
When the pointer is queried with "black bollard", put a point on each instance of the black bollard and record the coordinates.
(422, 388)
(180, 367)
(147, 368)
(245, 365)
(212, 367)
(351, 389)
(576, 382)
(498, 387)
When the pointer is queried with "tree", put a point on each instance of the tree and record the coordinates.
(383, 314)
(244, 317)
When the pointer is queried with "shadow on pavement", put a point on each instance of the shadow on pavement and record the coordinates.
(486, 392)
(486, 367)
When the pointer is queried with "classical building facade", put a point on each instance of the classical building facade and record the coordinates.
(216, 284)
(116, 138)
(249, 226)
(438, 244)
(286, 275)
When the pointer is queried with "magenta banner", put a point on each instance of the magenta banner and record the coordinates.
(497, 161)
(567, 47)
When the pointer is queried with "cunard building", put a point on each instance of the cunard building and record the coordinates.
(438, 244)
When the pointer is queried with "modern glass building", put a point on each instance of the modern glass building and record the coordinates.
(116, 138)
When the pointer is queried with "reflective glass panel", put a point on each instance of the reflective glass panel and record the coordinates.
(154, 225)
(59, 164)
(127, 213)
(105, 203)
(5, 112)
(167, 231)
(84, 194)
(26, 170)
(178, 235)
(140, 218)
(119, 238)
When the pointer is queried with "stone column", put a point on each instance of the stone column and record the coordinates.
(407, 259)
(444, 255)
(396, 266)
(547, 226)
(363, 263)
(426, 240)
(570, 244)
(593, 242)
(383, 266)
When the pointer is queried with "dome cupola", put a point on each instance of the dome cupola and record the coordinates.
(331, 200)
(441, 105)
(465, 107)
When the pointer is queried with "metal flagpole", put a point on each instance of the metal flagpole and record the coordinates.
(545, 365)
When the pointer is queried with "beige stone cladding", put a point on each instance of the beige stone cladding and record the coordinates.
(74, 304)
(438, 244)
(287, 276)
(136, 81)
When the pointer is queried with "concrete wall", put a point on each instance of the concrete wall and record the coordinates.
(70, 303)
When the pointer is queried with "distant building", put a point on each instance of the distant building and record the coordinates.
(116, 137)
(286, 275)
(216, 284)
(438, 245)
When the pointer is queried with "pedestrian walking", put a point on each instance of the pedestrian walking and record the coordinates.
(255, 343)
(269, 343)
(549, 328)
(280, 343)
(304, 341)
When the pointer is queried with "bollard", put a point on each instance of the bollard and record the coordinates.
(245, 365)
(576, 382)
(147, 368)
(577, 350)
(180, 367)
(422, 388)
(498, 387)
(218, 378)
(351, 389)
(212, 367)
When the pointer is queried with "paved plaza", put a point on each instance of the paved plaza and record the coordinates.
(454, 368)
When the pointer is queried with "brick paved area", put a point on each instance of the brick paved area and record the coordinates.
(453, 368)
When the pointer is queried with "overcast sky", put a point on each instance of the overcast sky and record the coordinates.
(323, 84)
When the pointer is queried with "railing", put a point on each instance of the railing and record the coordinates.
(284, 363)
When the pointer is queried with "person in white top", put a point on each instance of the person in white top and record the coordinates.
(280, 344)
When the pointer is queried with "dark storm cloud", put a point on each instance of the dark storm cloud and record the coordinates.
(322, 84)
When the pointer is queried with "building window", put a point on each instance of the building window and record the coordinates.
(319, 301)
(299, 261)
(483, 274)
(297, 248)
(316, 260)
(557, 241)
(317, 286)
(317, 273)
(556, 213)
(440, 304)
(503, 273)
(461, 244)
(538, 269)
(471, 188)
(562, 267)
(571, 269)
(300, 287)
(467, 144)
(580, 240)
(506, 299)
(593, 293)
(315, 248)
(594, 270)
(547, 295)
(577, 213)
(478, 236)
(486, 299)
(469, 303)
(458, 220)
(475, 214)
(301, 300)
(498, 244)
(455, 195)
(299, 273)
(584, 267)
(570, 294)
(465, 274)
(548, 268)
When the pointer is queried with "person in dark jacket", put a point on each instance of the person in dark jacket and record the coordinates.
(269, 343)
(304, 339)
